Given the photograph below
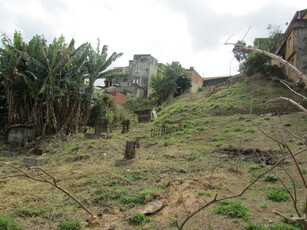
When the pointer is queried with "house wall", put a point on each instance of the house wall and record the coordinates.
(300, 47)
(215, 81)
(289, 49)
(294, 46)
(140, 69)
(118, 98)
(197, 82)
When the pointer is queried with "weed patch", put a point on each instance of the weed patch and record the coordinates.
(252, 226)
(8, 223)
(232, 209)
(270, 177)
(70, 225)
(138, 218)
(278, 195)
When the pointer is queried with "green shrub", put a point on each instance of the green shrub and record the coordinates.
(201, 128)
(219, 144)
(8, 223)
(288, 124)
(132, 200)
(232, 209)
(237, 128)
(138, 218)
(252, 226)
(70, 225)
(270, 177)
(278, 195)
(266, 118)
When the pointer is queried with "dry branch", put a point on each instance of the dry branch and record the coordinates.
(290, 100)
(42, 175)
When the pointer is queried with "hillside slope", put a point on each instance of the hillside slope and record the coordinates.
(184, 168)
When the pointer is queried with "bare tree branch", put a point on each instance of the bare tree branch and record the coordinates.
(290, 100)
(42, 177)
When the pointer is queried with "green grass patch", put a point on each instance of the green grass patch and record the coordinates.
(270, 177)
(232, 209)
(237, 129)
(219, 144)
(250, 130)
(278, 194)
(139, 218)
(252, 226)
(8, 223)
(70, 225)
(283, 226)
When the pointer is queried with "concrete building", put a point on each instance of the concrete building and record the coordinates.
(140, 69)
(293, 46)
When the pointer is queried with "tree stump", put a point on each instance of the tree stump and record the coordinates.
(101, 126)
(126, 124)
(131, 146)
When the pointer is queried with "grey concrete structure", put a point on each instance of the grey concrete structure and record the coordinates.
(19, 135)
(34, 161)
(140, 69)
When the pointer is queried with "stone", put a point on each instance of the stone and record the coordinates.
(34, 160)
(123, 162)
(148, 208)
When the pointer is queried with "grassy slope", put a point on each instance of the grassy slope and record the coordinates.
(184, 160)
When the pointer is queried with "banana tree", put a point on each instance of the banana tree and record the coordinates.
(97, 67)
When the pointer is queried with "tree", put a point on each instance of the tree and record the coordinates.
(173, 80)
(45, 84)
(254, 62)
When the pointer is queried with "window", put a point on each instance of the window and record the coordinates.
(135, 81)
(290, 41)
(137, 70)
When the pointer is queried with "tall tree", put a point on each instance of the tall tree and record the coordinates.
(253, 62)
(172, 81)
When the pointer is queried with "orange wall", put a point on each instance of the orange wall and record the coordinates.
(118, 98)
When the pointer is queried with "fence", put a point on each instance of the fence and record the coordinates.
(164, 131)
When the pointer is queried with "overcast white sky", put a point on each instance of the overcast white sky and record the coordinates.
(189, 31)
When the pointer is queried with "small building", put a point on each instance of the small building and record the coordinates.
(144, 115)
(139, 70)
(293, 46)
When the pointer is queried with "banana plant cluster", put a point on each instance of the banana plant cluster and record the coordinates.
(50, 86)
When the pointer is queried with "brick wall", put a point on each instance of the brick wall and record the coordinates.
(118, 98)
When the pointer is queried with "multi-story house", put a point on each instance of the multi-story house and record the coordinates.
(293, 46)
(139, 71)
